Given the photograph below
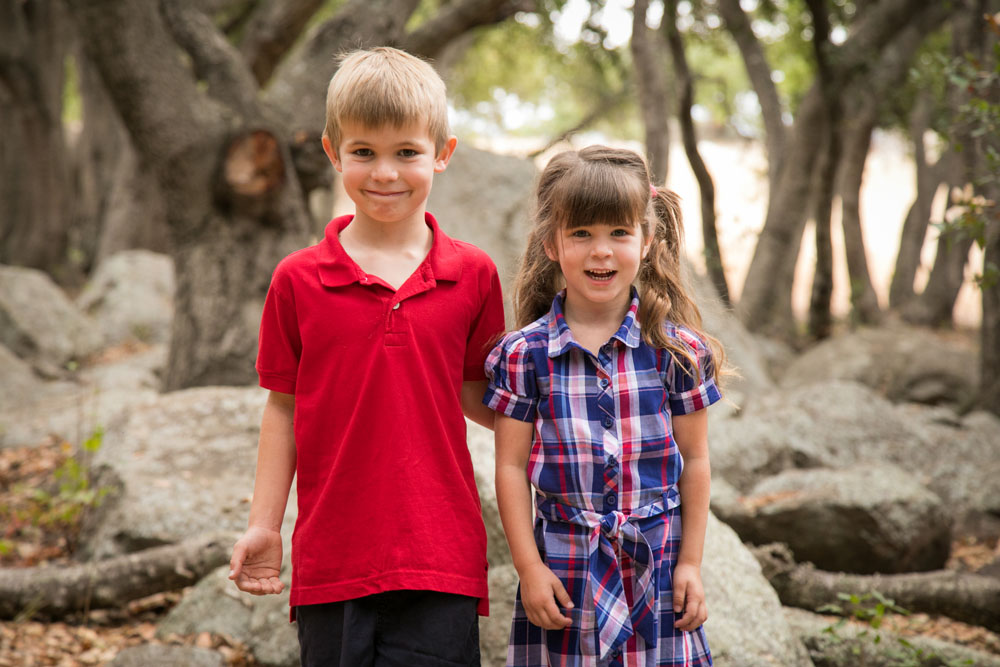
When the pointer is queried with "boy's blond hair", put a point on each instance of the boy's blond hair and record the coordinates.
(386, 86)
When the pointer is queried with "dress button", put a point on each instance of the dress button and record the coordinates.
(608, 422)
(395, 306)
(605, 382)
(612, 461)
(611, 500)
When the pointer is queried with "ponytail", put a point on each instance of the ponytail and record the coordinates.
(662, 293)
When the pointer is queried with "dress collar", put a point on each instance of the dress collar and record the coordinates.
(561, 338)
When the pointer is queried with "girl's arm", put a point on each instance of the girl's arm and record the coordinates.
(540, 588)
(691, 434)
(256, 560)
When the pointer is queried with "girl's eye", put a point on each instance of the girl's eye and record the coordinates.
(620, 231)
(580, 233)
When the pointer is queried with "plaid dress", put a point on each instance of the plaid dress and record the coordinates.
(605, 470)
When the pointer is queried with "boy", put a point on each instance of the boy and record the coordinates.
(372, 346)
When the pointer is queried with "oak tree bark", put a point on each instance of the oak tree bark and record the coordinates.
(652, 90)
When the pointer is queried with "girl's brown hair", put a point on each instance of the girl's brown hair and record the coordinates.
(611, 186)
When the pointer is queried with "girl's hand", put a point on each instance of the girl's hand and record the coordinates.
(540, 588)
(689, 597)
(256, 562)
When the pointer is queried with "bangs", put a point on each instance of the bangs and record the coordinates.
(600, 194)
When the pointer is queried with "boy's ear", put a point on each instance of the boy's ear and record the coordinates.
(441, 160)
(331, 153)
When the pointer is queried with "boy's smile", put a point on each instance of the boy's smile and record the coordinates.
(387, 171)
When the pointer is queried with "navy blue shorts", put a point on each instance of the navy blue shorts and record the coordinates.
(393, 629)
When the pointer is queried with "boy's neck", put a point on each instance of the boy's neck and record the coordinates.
(407, 236)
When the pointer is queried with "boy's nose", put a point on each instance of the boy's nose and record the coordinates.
(383, 172)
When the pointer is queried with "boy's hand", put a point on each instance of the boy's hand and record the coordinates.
(689, 597)
(540, 588)
(256, 562)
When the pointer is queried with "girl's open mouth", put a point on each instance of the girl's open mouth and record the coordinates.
(600, 274)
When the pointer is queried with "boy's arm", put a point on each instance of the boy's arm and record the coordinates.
(540, 588)
(256, 560)
(472, 403)
(691, 434)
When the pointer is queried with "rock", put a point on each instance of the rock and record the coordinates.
(39, 323)
(742, 351)
(157, 655)
(854, 644)
(865, 519)
(485, 199)
(188, 462)
(822, 425)
(72, 410)
(745, 626)
(259, 622)
(20, 384)
(131, 297)
(902, 363)
(494, 630)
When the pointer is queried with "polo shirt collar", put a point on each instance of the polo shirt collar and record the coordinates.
(336, 268)
(561, 338)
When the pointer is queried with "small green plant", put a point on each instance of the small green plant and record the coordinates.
(872, 609)
(75, 493)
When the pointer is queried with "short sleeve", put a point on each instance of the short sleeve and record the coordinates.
(691, 389)
(486, 328)
(279, 345)
(512, 389)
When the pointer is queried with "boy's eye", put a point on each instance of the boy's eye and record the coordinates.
(362, 152)
(408, 152)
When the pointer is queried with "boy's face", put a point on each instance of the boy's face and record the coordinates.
(387, 171)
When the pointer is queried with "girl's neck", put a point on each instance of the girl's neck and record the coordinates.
(593, 324)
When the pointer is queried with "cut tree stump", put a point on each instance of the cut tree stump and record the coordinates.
(55, 592)
(969, 598)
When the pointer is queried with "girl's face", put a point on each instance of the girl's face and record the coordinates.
(599, 262)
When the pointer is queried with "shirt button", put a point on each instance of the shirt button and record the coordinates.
(611, 500)
(608, 422)
(612, 461)
(605, 382)
(395, 306)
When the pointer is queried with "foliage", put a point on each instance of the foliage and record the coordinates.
(872, 609)
(50, 489)
(977, 122)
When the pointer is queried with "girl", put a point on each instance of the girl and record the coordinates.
(600, 398)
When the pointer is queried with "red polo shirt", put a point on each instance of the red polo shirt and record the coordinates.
(386, 493)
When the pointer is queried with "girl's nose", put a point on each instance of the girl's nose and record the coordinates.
(601, 248)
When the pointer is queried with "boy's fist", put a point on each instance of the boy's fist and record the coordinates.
(256, 562)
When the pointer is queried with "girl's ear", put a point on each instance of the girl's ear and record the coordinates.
(646, 246)
(550, 251)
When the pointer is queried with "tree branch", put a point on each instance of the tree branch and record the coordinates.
(272, 30)
(433, 35)
(54, 592)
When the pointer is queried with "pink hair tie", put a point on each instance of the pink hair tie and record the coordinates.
(652, 191)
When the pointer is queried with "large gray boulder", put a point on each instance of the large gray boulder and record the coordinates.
(822, 425)
(902, 363)
(485, 199)
(865, 519)
(187, 465)
(39, 323)
(131, 297)
(158, 655)
(94, 397)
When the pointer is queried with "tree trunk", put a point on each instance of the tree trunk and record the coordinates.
(271, 30)
(55, 592)
(820, 316)
(765, 304)
(759, 73)
(652, 93)
(914, 230)
(35, 183)
(857, 142)
(713, 256)
(935, 305)
(970, 598)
